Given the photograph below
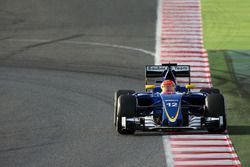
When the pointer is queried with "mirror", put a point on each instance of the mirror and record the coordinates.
(191, 86)
(149, 87)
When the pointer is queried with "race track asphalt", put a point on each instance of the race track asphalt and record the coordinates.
(60, 64)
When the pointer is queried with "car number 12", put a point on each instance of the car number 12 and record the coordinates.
(172, 104)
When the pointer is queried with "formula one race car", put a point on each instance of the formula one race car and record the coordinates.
(182, 110)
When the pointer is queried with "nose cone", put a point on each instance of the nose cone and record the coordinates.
(172, 115)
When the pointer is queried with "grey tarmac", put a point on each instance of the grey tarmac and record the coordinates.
(56, 97)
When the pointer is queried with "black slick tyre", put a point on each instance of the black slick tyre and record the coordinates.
(116, 96)
(215, 107)
(126, 107)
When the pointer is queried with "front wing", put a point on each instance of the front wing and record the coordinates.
(148, 124)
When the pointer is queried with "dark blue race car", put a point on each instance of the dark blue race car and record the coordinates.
(183, 110)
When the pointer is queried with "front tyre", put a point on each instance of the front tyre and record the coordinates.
(126, 107)
(116, 96)
(215, 108)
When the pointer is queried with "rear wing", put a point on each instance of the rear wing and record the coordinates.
(156, 71)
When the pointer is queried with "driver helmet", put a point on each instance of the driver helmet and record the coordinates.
(167, 87)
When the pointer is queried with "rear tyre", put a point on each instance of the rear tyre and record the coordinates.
(116, 96)
(210, 90)
(126, 107)
(215, 107)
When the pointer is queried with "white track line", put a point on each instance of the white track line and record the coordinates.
(218, 155)
(86, 43)
(158, 32)
(202, 142)
(202, 149)
(213, 162)
(184, 49)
